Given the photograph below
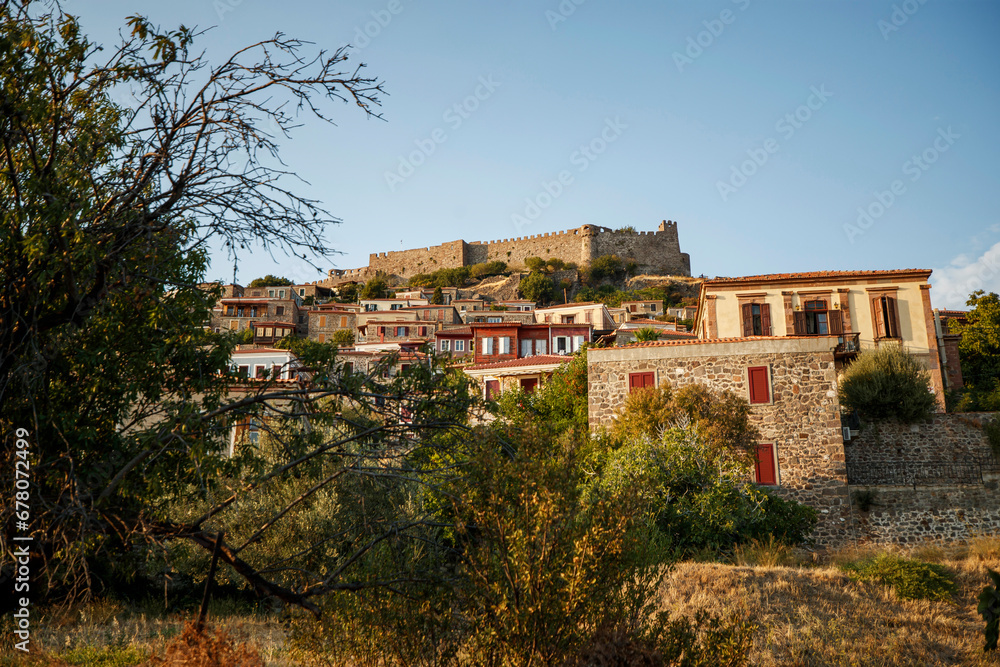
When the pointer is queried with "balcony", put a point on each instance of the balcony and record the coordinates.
(848, 346)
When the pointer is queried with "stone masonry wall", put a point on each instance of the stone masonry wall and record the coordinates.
(937, 512)
(656, 252)
(803, 419)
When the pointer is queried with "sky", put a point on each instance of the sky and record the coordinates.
(781, 136)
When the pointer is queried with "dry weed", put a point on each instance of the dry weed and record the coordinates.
(194, 648)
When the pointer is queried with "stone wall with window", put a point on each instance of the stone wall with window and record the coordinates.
(323, 324)
(791, 385)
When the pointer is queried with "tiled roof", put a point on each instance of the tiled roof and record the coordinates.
(702, 341)
(287, 325)
(954, 313)
(817, 274)
(575, 304)
(263, 350)
(537, 360)
(458, 331)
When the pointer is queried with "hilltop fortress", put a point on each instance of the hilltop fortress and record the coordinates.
(656, 252)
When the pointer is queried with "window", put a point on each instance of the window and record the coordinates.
(348, 367)
(322, 320)
(765, 470)
(886, 317)
(302, 291)
(445, 345)
(258, 371)
(322, 338)
(486, 347)
(756, 319)
(541, 346)
(568, 319)
(371, 307)
(577, 342)
(641, 380)
(259, 332)
(587, 316)
(243, 371)
(816, 318)
(270, 293)
(504, 345)
(440, 316)
(396, 306)
(276, 371)
(281, 294)
(494, 320)
(234, 325)
(460, 346)
(401, 331)
(529, 384)
(525, 348)
(343, 321)
(759, 381)
(269, 332)
(562, 344)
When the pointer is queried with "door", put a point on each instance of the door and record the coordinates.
(529, 384)
(764, 469)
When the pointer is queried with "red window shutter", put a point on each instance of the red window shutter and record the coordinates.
(890, 307)
(639, 380)
(765, 319)
(799, 323)
(836, 321)
(757, 376)
(764, 467)
(492, 389)
(747, 319)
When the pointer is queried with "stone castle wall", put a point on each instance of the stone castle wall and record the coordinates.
(655, 252)
(935, 510)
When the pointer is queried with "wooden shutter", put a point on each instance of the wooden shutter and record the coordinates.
(836, 321)
(765, 319)
(747, 319)
(879, 318)
(639, 380)
(799, 323)
(757, 378)
(764, 466)
(893, 328)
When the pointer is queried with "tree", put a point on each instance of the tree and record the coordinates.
(270, 281)
(124, 398)
(646, 334)
(347, 293)
(534, 264)
(342, 338)
(437, 298)
(979, 351)
(537, 287)
(376, 288)
(887, 383)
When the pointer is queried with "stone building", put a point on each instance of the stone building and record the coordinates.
(328, 319)
(863, 308)
(656, 252)
(791, 385)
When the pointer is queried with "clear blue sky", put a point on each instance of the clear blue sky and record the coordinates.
(761, 127)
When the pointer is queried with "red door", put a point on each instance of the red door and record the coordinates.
(529, 385)
(764, 467)
(492, 389)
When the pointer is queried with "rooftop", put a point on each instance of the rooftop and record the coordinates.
(537, 360)
(900, 273)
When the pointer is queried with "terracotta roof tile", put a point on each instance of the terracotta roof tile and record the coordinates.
(816, 274)
(702, 341)
(537, 360)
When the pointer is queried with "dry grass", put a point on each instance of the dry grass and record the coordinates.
(820, 616)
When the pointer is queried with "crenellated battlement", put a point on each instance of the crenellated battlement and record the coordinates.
(654, 251)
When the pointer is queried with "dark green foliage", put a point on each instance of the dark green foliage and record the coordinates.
(376, 288)
(558, 406)
(887, 383)
(989, 609)
(865, 499)
(910, 579)
(458, 276)
(979, 351)
(342, 338)
(605, 267)
(487, 269)
(992, 431)
(538, 287)
(534, 264)
(701, 500)
(347, 293)
(437, 298)
(647, 334)
(270, 281)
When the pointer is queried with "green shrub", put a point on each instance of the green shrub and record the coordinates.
(887, 383)
(538, 287)
(989, 609)
(105, 656)
(910, 579)
(647, 334)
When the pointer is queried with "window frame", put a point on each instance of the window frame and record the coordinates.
(749, 374)
(646, 379)
(772, 456)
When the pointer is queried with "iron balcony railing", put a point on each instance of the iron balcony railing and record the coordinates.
(929, 473)
(847, 344)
